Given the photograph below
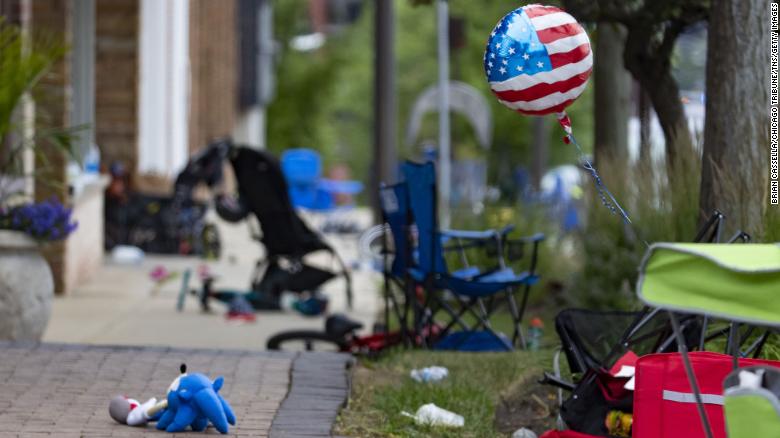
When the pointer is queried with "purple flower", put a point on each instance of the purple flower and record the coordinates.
(45, 221)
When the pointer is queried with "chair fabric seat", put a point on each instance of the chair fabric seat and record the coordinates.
(485, 286)
(464, 273)
(735, 282)
(465, 283)
(474, 340)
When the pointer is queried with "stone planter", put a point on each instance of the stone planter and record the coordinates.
(26, 288)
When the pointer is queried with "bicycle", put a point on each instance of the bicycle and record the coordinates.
(340, 335)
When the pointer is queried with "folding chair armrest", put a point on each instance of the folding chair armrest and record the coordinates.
(534, 238)
(478, 235)
(468, 234)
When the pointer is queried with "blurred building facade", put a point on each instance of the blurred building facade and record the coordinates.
(153, 81)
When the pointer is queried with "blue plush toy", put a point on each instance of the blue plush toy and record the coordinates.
(193, 400)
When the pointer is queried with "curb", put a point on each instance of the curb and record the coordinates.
(319, 388)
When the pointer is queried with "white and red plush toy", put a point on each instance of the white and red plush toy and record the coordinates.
(129, 411)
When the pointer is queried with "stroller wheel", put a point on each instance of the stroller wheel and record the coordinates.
(305, 340)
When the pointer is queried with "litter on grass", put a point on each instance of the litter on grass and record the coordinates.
(432, 415)
(524, 433)
(429, 374)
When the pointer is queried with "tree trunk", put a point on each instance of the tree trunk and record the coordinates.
(651, 66)
(645, 127)
(612, 96)
(736, 142)
(665, 96)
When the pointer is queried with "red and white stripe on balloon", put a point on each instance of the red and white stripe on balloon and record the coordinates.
(538, 60)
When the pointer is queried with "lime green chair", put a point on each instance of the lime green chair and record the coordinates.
(740, 283)
(735, 282)
(752, 408)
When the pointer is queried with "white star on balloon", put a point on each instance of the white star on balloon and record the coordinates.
(525, 56)
(502, 70)
(539, 64)
(511, 50)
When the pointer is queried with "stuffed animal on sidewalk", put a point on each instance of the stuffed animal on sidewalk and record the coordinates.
(132, 413)
(194, 400)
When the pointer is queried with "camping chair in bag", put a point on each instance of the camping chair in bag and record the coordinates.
(740, 283)
(474, 295)
(598, 343)
(754, 409)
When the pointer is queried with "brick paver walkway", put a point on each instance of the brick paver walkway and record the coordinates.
(58, 390)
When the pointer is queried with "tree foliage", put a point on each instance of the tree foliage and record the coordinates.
(324, 97)
(24, 60)
(653, 27)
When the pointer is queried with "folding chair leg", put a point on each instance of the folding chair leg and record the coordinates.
(418, 312)
(455, 317)
(426, 320)
(758, 345)
(517, 334)
(408, 332)
(484, 322)
(521, 313)
(681, 345)
(483, 313)
(704, 324)
(733, 344)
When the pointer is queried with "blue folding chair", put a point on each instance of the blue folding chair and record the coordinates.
(399, 261)
(394, 205)
(475, 294)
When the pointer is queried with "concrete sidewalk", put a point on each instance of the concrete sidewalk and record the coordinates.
(63, 390)
(122, 306)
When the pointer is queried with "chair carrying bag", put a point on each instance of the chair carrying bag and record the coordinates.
(664, 403)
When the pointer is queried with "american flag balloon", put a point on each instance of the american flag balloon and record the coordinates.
(538, 61)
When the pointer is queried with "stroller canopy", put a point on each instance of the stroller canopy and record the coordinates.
(735, 282)
(263, 189)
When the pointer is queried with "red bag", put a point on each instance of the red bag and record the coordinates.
(664, 404)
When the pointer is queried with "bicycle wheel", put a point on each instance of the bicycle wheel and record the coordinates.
(305, 340)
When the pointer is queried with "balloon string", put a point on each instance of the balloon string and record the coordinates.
(612, 204)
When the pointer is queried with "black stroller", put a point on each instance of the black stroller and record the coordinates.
(262, 191)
